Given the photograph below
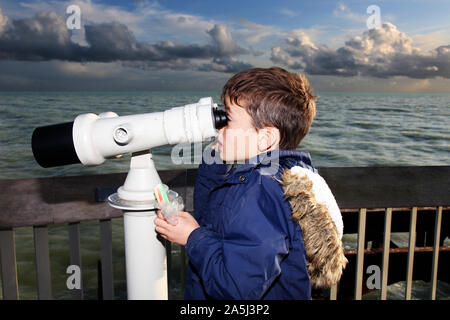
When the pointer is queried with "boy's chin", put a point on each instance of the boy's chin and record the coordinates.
(230, 158)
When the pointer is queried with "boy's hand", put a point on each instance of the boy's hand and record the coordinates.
(178, 233)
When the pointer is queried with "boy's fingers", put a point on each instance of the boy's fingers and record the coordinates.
(183, 213)
(161, 223)
(160, 231)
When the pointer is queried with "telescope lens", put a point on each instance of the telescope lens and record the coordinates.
(53, 145)
(220, 118)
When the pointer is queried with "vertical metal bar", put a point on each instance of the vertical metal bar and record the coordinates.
(42, 258)
(169, 269)
(360, 253)
(386, 247)
(75, 255)
(8, 265)
(437, 239)
(333, 292)
(183, 267)
(106, 260)
(411, 248)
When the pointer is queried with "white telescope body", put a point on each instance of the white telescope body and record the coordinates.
(91, 139)
(98, 137)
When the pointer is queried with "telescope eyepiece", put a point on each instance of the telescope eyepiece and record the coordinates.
(220, 118)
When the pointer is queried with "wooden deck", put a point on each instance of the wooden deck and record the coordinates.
(375, 201)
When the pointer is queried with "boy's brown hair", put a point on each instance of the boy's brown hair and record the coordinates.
(274, 97)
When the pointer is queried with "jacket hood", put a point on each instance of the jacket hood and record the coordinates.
(315, 209)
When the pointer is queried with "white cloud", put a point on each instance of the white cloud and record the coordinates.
(344, 12)
(3, 21)
(253, 33)
(381, 52)
(288, 12)
(432, 39)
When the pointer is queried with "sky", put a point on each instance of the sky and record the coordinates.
(391, 45)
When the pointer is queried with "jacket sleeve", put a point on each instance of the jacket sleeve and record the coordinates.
(246, 260)
(208, 176)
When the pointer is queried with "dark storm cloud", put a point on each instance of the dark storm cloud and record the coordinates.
(46, 37)
(226, 64)
(382, 52)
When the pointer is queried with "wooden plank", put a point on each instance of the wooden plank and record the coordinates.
(106, 260)
(75, 256)
(8, 265)
(386, 247)
(437, 239)
(384, 187)
(42, 258)
(396, 250)
(411, 247)
(360, 254)
(56, 200)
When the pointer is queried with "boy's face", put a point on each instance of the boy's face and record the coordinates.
(238, 141)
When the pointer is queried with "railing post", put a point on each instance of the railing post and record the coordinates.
(360, 253)
(386, 248)
(8, 265)
(42, 262)
(333, 291)
(75, 256)
(411, 248)
(106, 260)
(437, 239)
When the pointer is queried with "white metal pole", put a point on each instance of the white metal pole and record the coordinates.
(145, 253)
(146, 262)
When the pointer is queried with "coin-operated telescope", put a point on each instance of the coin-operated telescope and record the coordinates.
(91, 139)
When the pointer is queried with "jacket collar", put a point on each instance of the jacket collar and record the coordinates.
(270, 159)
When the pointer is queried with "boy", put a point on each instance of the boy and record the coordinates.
(243, 242)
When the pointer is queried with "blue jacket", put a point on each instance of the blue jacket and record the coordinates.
(247, 246)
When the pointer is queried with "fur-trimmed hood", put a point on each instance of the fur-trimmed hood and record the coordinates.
(315, 209)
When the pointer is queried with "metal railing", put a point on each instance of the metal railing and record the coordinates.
(363, 194)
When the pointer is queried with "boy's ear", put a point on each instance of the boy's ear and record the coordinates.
(268, 139)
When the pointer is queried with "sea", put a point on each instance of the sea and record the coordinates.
(350, 129)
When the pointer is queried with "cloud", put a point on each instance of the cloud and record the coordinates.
(342, 11)
(288, 12)
(227, 64)
(252, 32)
(381, 52)
(46, 37)
(3, 21)
(224, 42)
